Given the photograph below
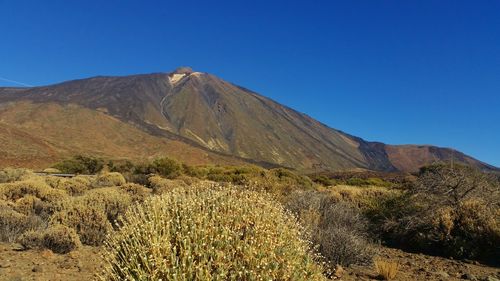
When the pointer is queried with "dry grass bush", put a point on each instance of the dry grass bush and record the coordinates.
(470, 231)
(113, 201)
(456, 213)
(13, 174)
(31, 205)
(35, 186)
(161, 185)
(107, 179)
(188, 180)
(137, 192)
(209, 232)
(14, 224)
(360, 196)
(386, 270)
(58, 238)
(89, 221)
(74, 186)
(339, 229)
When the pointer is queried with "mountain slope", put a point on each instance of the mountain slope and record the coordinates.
(39, 134)
(208, 113)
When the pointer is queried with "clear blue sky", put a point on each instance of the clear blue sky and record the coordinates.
(423, 72)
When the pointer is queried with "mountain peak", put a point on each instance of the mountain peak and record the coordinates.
(183, 70)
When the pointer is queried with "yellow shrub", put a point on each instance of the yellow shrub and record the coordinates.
(31, 205)
(89, 221)
(13, 224)
(386, 270)
(34, 186)
(107, 179)
(73, 186)
(12, 174)
(51, 171)
(137, 192)
(209, 233)
(161, 185)
(444, 221)
(360, 196)
(58, 238)
(113, 201)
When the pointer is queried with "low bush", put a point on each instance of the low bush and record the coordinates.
(35, 186)
(12, 174)
(51, 171)
(73, 186)
(31, 205)
(137, 192)
(386, 270)
(447, 211)
(89, 221)
(113, 201)
(340, 230)
(166, 167)
(107, 179)
(80, 165)
(161, 185)
(209, 233)
(58, 238)
(470, 231)
(360, 196)
(14, 224)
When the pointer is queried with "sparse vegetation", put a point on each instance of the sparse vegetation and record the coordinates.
(386, 270)
(340, 220)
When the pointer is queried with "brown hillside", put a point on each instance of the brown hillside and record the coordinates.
(200, 114)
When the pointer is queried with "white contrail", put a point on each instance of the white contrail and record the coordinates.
(16, 82)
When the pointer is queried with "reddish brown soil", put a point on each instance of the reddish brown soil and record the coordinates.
(84, 263)
(43, 265)
(422, 267)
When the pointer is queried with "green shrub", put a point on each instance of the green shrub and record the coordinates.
(209, 233)
(80, 165)
(368, 182)
(58, 238)
(323, 180)
(166, 167)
